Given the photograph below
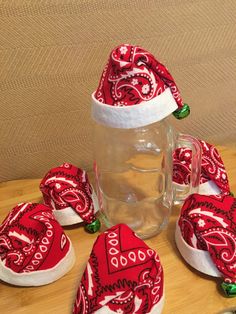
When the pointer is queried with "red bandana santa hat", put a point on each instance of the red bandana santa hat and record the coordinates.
(135, 90)
(206, 237)
(214, 179)
(34, 249)
(123, 275)
(67, 190)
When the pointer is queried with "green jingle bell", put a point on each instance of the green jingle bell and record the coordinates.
(93, 226)
(229, 289)
(182, 113)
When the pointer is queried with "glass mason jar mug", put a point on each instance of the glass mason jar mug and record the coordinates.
(134, 170)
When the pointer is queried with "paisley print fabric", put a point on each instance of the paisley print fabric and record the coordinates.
(132, 76)
(68, 186)
(31, 240)
(123, 275)
(208, 223)
(212, 167)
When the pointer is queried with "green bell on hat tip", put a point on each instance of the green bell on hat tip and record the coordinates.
(93, 226)
(182, 113)
(229, 289)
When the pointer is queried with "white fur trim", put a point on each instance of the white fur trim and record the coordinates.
(206, 188)
(39, 277)
(198, 259)
(209, 188)
(67, 216)
(157, 308)
(127, 117)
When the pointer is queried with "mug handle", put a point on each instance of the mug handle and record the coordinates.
(182, 191)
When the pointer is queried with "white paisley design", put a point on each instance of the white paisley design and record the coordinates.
(123, 50)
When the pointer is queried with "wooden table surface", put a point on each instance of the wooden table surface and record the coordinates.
(187, 291)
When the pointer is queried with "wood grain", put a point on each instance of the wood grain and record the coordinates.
(186, 290)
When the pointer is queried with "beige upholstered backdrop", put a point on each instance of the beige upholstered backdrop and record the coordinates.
(52, 54)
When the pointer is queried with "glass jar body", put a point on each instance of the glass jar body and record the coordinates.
(133, 169)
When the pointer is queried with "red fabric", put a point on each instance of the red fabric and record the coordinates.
(123, 274)
(68, 186)
(133, 75)
(31, 239)
(209, 223)
(212, 166)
